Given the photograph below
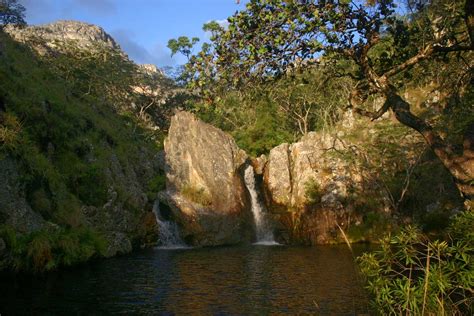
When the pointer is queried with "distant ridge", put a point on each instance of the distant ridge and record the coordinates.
(83, 35)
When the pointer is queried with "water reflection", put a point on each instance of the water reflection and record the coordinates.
(220, 281)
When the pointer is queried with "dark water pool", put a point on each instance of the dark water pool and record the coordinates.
(253, 280)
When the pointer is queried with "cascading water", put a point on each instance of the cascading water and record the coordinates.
(168, 230)
(263, 229)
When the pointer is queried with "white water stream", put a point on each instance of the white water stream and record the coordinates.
(168, 230)
(262, 226)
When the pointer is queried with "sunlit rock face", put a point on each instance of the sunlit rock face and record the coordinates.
(311, 190)
(308, 185)
(55, 35)
(205, 189)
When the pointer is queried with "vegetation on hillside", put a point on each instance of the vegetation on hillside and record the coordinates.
(63, 120)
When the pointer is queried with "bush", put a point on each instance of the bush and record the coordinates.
(155, 185)
(313, 192)
(415, 275)
(10, 129)
(47, 250)
(196, 195)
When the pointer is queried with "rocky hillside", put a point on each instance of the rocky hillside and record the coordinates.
(54, 36)
(78, 168)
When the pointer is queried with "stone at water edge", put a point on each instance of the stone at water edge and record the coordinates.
(289, 170)
(205, 189)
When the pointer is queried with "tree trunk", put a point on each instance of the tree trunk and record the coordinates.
(461, 166)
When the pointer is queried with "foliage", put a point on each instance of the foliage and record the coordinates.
(10, 128)
(11, 12)
(155, 185)
(63, 133)
(271, 39)
(67, 124)
(374, 225)
(196, 194)
(262, 116)
(49, 249)
(413, 274)
(313, 192)
(182, 45)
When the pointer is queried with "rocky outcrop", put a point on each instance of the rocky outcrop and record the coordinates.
(312, 189)
(126, 217)
(205, 190)
(14, 209)
(151, 70)
(125, 220)
(204, 226)
(55, 35)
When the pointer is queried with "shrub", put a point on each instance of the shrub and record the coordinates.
(374, 226)
(415, 275)
(10, 129)
(49, 249)
(313, 192)
(196, 195)
(155, 185)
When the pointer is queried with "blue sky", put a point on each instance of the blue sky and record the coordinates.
(141, 27)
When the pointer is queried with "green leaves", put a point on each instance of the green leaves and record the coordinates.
(413, 274)
(182, 45)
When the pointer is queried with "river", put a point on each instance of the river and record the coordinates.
(250, 280)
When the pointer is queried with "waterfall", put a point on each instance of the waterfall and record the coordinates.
(263, 229)
(168, 230)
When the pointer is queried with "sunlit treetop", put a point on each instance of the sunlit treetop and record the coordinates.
(271, 35)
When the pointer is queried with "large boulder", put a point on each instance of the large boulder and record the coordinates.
(313, 191)
(205, 189)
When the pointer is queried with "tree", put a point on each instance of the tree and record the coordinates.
(11, 12)
(270, 37)
(182, 45)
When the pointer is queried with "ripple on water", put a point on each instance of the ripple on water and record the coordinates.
(227, 280)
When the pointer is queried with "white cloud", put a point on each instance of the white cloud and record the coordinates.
(159, 55)
(222, 23)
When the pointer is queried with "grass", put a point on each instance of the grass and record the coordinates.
(63, 139)
(49, 249)
(196, 195)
